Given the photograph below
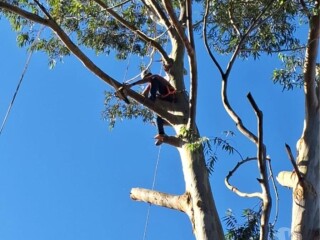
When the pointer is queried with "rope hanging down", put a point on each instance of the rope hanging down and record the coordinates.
(19, 83)
(152, 188)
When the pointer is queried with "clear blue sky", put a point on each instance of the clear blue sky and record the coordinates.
(64, 175)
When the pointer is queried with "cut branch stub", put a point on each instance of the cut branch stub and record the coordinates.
(177, 202)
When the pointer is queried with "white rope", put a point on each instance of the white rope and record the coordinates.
(152, 188)
(129, 57)
(20, 81)
(147, 67)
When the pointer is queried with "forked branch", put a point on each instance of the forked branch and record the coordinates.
(261, 158)
(205, 38)
(134, 29)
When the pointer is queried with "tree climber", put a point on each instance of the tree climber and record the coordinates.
(158, 88)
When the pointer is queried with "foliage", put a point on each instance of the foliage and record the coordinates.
(291, 74)
(256, 26)
(115, 109)
(253, 26)
(88, 26)
(219, 143)
(248, 230)
(206, 144)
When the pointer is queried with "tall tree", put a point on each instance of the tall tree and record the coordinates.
(240, 29)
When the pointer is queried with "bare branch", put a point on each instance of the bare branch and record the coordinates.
(131, 27)
(291, 158)
(177, 202)
(174, 141)
(233, 114)
(204, 33)
(261, 156)
(288, 179)
(236, 190)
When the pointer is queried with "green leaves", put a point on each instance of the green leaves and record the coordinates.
(22, 39)
(291, 75)
(88, 26)
(209, 146)
(254, 26)
(116, 110)
(250, 227)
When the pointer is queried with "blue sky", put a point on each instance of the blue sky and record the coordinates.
(64, 175)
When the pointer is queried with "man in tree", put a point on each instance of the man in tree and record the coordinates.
(158, 88)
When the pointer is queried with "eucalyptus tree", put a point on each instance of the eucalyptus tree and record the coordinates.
(239, 29)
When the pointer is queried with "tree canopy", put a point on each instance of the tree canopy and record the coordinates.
(231, 30)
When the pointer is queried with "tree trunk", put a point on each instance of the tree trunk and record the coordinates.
(201, 207)
(305, 210)
(304, 182)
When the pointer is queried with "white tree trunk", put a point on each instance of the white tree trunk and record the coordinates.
(201, 207)
(304, 182)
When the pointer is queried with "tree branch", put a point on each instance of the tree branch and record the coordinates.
(261, 156)
(233, 114)
(189, 44)
(236, 190)
(204, 33)
(30, 16)
(177, 202)
(174, 141)
(233, 22)
(244, 38)
(156, 9)
(287, 179)
(193, 69)
(291, 158)
(170, 118)
(225, 77)
(137, 31)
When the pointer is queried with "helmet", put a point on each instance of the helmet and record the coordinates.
(145, 73)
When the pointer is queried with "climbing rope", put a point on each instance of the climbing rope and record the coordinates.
(129, 57)
(20, 81)
(147, 67)
(152, 188)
